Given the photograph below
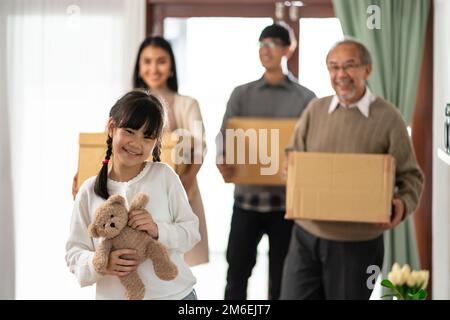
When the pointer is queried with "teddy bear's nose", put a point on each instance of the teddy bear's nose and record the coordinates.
(112, 225)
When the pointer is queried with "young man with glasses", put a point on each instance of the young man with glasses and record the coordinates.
(329, 260)
(259, 210)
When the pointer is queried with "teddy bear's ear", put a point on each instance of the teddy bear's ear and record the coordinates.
(92, 231)
(140, 201)
(116, 199)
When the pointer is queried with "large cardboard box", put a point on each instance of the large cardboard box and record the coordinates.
(340, 187)
(258, 149)
(93, 149)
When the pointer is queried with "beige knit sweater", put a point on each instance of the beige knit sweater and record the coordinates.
(347, 130)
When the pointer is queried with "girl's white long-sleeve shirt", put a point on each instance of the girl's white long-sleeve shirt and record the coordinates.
(178, 230)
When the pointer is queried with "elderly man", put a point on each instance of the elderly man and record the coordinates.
(329, 260)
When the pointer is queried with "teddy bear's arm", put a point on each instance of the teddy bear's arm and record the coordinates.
(101, 256)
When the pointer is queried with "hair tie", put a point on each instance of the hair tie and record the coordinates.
(105, 161)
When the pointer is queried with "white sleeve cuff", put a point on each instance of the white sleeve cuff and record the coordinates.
(86, 273)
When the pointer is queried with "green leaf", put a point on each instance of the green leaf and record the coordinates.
(413, 296)
(419, 295)
(401, 291)
(386, 283)
(422, 294)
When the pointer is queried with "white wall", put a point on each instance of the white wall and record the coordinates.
(7, 256)
(63, 73)
(441, 170)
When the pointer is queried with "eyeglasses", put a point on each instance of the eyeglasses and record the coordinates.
(269, 44)
(348, 67)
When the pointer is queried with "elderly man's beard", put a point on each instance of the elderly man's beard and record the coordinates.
(349, 95)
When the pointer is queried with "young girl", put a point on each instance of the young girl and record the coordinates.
(134, 131)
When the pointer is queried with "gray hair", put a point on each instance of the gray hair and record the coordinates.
(364, 53)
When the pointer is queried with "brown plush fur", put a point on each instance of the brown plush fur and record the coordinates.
(110, 221)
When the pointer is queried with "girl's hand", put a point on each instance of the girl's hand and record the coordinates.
(118, 266)
(142, 220)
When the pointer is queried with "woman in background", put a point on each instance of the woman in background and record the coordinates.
(155, 70)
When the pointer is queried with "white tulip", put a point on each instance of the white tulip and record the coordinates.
(405, 272)
(391, 277)
(395, 276)
(396, 267)
(406, 268)
(411, 282)
(425, 275)
(400, 281)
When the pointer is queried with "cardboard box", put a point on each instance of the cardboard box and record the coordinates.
(92, 152)
(93, 149)
(340, 187)
(258, 143)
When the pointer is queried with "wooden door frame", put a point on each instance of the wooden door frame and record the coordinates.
(422, 138)
(158, 10)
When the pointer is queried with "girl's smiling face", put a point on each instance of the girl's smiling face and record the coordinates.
(130, 147)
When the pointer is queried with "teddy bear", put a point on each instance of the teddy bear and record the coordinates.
(110, 221)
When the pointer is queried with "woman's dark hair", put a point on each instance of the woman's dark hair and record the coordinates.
(162, 43)
(136, 109)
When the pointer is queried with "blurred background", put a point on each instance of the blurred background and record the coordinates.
(63, 64)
